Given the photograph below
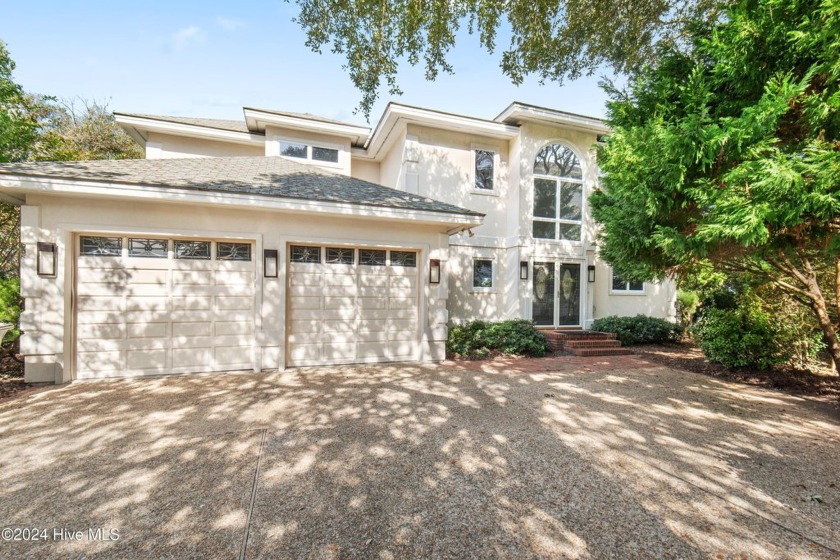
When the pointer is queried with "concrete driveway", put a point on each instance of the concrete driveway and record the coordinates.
(571, 458)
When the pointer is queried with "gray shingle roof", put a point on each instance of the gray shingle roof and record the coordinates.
(276, 177)
(221, 124)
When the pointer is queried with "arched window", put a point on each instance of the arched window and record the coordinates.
(558, 194)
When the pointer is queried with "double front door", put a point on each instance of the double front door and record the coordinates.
(556, 294)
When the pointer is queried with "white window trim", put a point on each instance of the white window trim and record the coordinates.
(626, 292)
(479, 289)
(309, 145)
(557, 181)
(496, 161)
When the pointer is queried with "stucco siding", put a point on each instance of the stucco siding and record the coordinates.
(162, 146)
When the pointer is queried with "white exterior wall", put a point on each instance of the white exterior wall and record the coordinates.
(47, 323)
(165, 146)
(365, 170)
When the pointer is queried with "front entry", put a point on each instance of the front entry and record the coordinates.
(556, 294)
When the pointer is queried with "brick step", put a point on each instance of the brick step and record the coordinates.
(580, 335)
(600, 351)
(602, 343)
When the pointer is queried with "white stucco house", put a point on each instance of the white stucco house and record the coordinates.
(287, 239)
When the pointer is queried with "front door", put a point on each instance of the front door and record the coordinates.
(556, 294)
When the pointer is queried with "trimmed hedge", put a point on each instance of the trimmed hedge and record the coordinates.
(10, 305)
(479, 339)
(640, 329)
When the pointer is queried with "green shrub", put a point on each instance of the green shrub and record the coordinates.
(740, 337)
(10, 305)
(687, 303)
(478, 339)
(640, 329)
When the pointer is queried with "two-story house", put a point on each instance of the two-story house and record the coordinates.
(288, 239)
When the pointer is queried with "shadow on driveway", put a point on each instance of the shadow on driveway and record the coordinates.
(576, 458)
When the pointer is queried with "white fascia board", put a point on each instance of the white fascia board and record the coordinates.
(190, 130)
(542, 115)
(15, 185)
(400, 115)
(258, 120)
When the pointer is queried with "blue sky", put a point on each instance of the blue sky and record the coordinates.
(209, 59)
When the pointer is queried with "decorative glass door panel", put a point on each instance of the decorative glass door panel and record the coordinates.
(568, 295)
(543, 306)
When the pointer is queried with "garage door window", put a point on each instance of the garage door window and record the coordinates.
(101, 246)
(193, 250)
(148, 248)
(340, 255)
(233, 251)
(404, 258)
(371, 257)
(306, 254)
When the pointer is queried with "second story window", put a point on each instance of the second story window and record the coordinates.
(558, 194)
(484, 169)
(301, 150)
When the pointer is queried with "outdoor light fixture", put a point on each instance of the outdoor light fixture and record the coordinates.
(46, 259)
(434, 271)
(591, 270)
(270, 263)
(523, 270)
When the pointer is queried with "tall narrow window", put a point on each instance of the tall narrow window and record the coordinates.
(484, 169)
(558, 194)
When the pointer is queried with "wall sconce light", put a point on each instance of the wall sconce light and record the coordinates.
(523, 270)
(591, 271)
(46, 259)
(434, 271)
(270, 263)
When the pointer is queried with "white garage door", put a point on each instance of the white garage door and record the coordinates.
(351, 305)
(155, 305)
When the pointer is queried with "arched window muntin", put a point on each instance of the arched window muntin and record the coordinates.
(558, 194)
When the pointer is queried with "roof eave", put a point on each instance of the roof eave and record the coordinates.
(136, 126)
(518, 112)
(17, 186)
(257, 119)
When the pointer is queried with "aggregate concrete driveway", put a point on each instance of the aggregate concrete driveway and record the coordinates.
(554, 458)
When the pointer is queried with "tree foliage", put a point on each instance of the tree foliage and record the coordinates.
(554, 39)
(728, 154)
(18, 114)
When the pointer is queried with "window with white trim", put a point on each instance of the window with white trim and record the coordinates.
(558, 194)
(314, 152)
(482, 274)
(619, 284)
(485, 169)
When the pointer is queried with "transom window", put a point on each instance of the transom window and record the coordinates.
(558, 194)
(192, 250)
(233, 251)
(100, 246)
(619, 284)
(306, 254)
(340, 255)
(150, 248)
(371, 257)
(484, 169)
(404, 258)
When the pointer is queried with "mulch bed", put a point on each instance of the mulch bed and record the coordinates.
(11, 378)
(687, 356)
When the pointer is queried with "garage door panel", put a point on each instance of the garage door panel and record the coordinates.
(372, 336)
(234, 303)
(402, 282)
(100, 330)
(101, 263)
(370, 281)
(305, 352)
(100, 361)
(192, 328)
(332, 327)
(223, 328)
(307, 278)
(373, 325)
(303, 303)
(101, 289)
(402, 303)
(339, 280)
(373, 350)
(100, 303)
(402, 350)
(367, 303)
(198, 358)
(332, 302)
(192, 303)
(147, 290)
(339, 351)
(143, 303)
(305, 327)
(193, 265)
(147, 330)
(310, 291)
(233, 355)
(147, 359)
(192, 278)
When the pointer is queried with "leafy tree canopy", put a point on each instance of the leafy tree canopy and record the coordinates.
(728, 153)
(18, 118)
(554, 39)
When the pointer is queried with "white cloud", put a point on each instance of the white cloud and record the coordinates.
(230, 24)
(186, 36)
